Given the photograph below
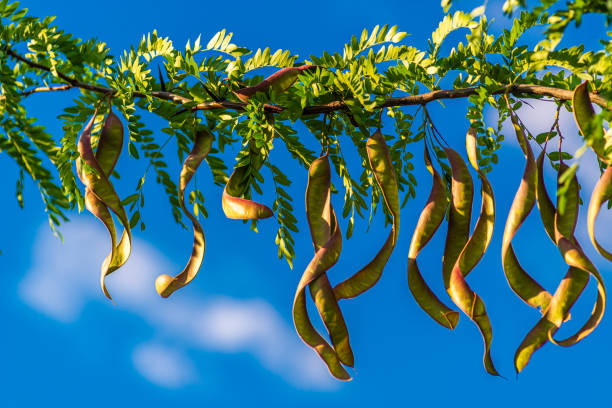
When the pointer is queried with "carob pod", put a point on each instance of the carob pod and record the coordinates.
(384, 174)
(530, 291)
(459, 290)
(166, 284)
(279, 82)
(94, 171)
(575, 280)
(430, 219)
(327, 241)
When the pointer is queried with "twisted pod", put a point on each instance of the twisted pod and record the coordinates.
(460, 292)
(583, 114)
(238, 208)
(530, 291)
(166, 284)
(384, 174)
(430, 219)
(327, 241)
(94, 170)
(560, 224)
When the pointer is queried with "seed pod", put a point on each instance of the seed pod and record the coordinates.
(166, 284)
(279, 82)
(601, 194)
(235, 207)
(459, 215)
(545, 204)
(459, 290)
(572, 284)
(530, 291)
(429, 221)
(384, 173)
(94, 171)
(327, 240)
(575, 257)
(583, 114)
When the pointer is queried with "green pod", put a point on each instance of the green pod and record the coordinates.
(601, 193)
(278, 82)
(530, 291)
(384, 174)
(459, 290)
(238, 208)
(94, 170)
(583, 114)
(327, 241)
(430, 219)
(166, 284)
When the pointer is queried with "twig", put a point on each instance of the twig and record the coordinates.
(421, 99)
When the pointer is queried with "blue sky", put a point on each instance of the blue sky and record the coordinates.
(228, 338)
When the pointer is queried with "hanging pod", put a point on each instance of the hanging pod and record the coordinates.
(583, 114)
(278, 82)
(530, 291)
(475, 247)
(384, 174)
(430, 219)
(166, 284)
(601, 193)
(577, 277)
(238, 208)
(94, 170)
(327, 241)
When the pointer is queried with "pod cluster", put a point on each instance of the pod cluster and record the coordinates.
(451, 201)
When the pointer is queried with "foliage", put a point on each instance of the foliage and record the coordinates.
(211, 97)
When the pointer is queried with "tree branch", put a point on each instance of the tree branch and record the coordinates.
(421, 99)
(47, 89)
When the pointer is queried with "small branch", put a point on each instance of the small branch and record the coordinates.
(47, 89)
(421, 99)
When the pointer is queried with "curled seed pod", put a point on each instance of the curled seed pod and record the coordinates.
(601, 193)
(459, 216)
(319, 213)
(327, 240)
(545, 205)
(278, 82)
(429, 221)
(530, 291)
(239, 208)
(100, 197)
(583, 114)
(166, 284)
(459, 290)
(574, 256)
(572, 284)
(384, 173)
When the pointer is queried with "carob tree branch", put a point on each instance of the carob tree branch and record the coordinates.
(420, 99)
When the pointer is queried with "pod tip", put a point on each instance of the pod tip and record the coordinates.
(161, 284)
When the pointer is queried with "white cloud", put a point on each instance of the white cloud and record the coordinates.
(163, 366)
(64, 278)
